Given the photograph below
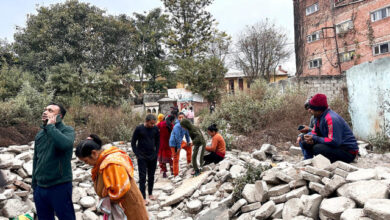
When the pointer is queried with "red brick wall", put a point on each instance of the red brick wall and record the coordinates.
(356, 39)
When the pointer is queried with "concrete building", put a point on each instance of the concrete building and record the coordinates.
(279, 74)
(332, 36)
(236, 81)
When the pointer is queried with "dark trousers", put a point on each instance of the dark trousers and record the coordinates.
(149, 166)
(55, 199)
(332, 153)
(212, 158)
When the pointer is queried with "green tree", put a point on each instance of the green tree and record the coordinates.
(7, 57)
(108, 88)
(204, 76)
(152, 32)
(191, 27)
(65, 82)
(77, 33)
(11, 80)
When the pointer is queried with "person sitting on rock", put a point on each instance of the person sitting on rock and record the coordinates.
(218, 147)
(113, 177)
(197, 141)
(331, 135)
(306, 129)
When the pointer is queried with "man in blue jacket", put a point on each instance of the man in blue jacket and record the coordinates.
(175, 142)
(331, 135)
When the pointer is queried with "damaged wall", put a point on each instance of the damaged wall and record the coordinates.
(369, 97)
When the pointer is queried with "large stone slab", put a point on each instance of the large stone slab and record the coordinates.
(237, 171)
(334, 207)
(279, 190)
(320, 162)
(352, 214)
(28, 167)
(233, 210)
(362, 174)
(186, 189)
(292, 208)
(311, 205)
(362, 191)
(219, 213)
(15, 207)
(266, 210)
(377, 209)
(297, 193)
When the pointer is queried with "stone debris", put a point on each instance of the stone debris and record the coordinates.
(300, 190)
(377, 209)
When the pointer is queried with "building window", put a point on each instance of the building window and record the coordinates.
(241, 84)
(347, 56)
(231, 86)
(312, 8)
(344, 27)
(380, 14)
(316, 63)
(381, 48)
(314, 36)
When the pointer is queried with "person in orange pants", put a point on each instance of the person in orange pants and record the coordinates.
(175, 142)
(175, 157)
(188, 149)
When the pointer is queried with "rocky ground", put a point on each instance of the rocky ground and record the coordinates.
(289, 189)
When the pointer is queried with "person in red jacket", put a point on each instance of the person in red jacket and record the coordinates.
(165, 154)
(331, 136)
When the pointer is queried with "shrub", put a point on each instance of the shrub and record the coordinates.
(25, 108)
(250, 177)
(380, 142)
(111, 124)
(264, 113)
(341, 107)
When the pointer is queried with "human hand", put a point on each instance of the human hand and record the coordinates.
(299, 139)
(52, 119)
(308, 139)
(305, 129)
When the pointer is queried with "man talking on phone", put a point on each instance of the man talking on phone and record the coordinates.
(52, 172)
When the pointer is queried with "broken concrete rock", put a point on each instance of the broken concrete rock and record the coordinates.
(266, 210)
(333, 208)
(292, 208)
(377, 209)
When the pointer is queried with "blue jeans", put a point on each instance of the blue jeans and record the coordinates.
(306, 150)
(332, 153)
(55, 199)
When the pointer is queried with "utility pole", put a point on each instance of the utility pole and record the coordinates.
(337, 46)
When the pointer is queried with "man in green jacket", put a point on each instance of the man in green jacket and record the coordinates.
(52, 171)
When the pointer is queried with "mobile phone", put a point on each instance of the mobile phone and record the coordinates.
(300, 127)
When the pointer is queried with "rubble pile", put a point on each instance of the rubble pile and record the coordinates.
(309, 189)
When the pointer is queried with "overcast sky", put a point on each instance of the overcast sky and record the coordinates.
(232, 15)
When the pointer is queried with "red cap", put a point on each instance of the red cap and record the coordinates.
(319, 102)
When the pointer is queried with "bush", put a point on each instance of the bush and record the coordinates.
(111, 124)
(25, 108)
(264, 113)
(341, 107)
(250, 177)
(380, 142)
